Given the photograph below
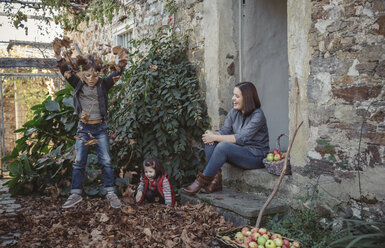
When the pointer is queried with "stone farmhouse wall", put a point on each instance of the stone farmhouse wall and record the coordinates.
(336, 54)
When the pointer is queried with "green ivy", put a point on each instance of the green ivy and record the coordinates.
(158, 109)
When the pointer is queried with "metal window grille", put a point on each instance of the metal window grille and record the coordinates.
(123, 39)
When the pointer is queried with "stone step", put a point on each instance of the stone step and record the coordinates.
(240, 208)
(258, 181)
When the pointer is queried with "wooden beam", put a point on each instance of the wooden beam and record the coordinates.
(27, 62)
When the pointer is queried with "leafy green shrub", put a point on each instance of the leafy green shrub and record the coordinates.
(158, 109)
(303, 225)
(45, 147)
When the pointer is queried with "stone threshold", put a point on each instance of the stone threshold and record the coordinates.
(240, 208)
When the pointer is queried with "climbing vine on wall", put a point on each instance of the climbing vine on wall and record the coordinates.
(158, 109)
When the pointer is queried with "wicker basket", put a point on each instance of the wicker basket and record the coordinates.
(231, 233)
(275, 167)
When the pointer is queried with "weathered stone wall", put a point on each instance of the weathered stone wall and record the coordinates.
(211, 50)
(341, 95)
(150, 15)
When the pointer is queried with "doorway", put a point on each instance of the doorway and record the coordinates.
(265, 61)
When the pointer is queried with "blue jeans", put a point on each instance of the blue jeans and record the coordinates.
(237, 155)
(99, 132)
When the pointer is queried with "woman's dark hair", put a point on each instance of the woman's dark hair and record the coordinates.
(250, 97)
(154, 163)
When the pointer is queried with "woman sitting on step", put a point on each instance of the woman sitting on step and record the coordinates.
(242, 141)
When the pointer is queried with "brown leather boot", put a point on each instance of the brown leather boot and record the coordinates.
(215, 185)
(200, 182)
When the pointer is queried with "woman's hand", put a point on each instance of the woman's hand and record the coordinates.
(209, 137)
(138, 196)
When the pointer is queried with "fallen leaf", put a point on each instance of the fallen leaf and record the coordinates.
(91, 142)
(218, 197)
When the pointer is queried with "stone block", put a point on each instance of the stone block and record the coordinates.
(258, 180)
(357, 93)
(240, 208)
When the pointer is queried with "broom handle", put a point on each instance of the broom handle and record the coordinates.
(279, 180)
(286, 158)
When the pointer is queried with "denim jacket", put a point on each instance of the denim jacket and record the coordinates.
(250, 131)
(103, 86)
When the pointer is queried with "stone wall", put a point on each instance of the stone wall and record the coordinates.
(209, 25)
(150, 15)
(341, 79)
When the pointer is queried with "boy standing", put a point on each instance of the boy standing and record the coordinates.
(90, 101)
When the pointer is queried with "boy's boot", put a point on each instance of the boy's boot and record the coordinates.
(200, 182)
(215, 185)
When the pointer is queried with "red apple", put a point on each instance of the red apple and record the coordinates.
(276, 235)
(270, 244)
(255, 236)
(262, 231)
(285, 246)
(276, 152)
(246, 241)
(266, 236)
(286, 242)
(253, 230)
(244, 230)
(277, 157)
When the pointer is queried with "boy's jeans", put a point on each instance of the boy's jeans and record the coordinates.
(99, 132)
(219, 153)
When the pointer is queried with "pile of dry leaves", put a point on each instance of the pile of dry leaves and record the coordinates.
(93, 223)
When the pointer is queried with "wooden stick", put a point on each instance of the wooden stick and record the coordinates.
(279, 179)
(286, 158)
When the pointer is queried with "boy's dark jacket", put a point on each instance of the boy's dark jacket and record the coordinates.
(159, 188)
(103, 86)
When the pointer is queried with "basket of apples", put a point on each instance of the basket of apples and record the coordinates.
(254, 238)
(275, 160)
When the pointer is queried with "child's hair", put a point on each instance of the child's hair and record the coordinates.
(154, 163)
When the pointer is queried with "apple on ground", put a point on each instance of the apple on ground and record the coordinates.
(296, 244)
(285, 246)
(245, 229)
(266, 236)
(254, 229)
(261, 240)
(276, 235)
(255, 236)
(277, 157)
(286, 242)
(246, 240)
(253, 244)
(278, 241)
(270, 157)
(239, 237)
(270, 244)
(262, 231)
(247, 233)
(261, 246)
